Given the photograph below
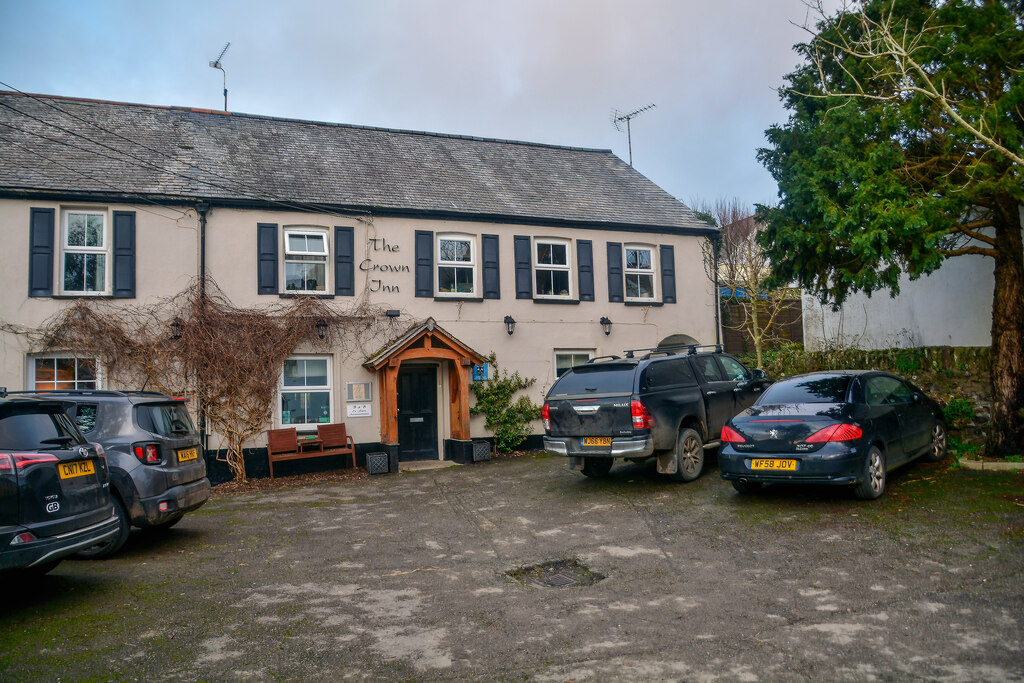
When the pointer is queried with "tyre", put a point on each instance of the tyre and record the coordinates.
(872, 483)
(689, 455)
(746, 486)
(597, 467)
(114, 544)
(937, 451)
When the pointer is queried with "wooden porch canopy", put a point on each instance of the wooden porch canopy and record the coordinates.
(424, 341)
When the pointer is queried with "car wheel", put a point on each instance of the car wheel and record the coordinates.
(873, 482)
(689, 455)
(110, 547)
(746, 486)
(597, 467)
(937, 451)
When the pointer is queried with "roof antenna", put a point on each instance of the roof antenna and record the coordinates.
(216, 65)
(617, 118)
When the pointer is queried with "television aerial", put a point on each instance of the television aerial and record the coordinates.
(216, 65)
(617, 118)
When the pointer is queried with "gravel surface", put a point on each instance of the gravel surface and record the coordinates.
(407, 577)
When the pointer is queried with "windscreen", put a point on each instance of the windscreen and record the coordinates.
(165, 419)
(604, 378)
(29, 429)
(816, 389)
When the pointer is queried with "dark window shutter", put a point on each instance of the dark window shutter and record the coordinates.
(492, 272)
(344, 261)
(524, 269)
(425, 263)
(266, 247)
(124, 254)
(668, 274)
(585, 265)
(40, 256)
(615, 271)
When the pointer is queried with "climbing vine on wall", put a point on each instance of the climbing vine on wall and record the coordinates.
(196, 344)
(508, 419)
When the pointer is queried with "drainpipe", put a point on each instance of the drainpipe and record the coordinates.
(202, 208)
(718, 295)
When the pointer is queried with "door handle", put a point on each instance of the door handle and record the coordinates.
(712, 393)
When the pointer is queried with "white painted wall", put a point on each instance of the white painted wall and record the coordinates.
(950, 307)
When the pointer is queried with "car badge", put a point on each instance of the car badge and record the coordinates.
(52, 507)
(83, 451)
(774, 433)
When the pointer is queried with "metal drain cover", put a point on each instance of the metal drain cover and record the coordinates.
(556, 574)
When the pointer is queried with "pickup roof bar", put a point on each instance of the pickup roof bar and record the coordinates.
(673, 350)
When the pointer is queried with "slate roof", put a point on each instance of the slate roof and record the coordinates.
(55, 145)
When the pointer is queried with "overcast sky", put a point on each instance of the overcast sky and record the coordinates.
(546, 71)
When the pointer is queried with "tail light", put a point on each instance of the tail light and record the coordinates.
(100, 451)
(836, 432)
(10, 461)
(642, 418)
(545, 416)
(147, 453)
(730, 435)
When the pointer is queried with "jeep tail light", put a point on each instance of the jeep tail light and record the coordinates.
(836, 432)
(730, 435)
(545, 416)
(642, 418)
(147, 453)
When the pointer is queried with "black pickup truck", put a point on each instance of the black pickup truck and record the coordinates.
(667, 403)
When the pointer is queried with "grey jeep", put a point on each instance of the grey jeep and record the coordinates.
(154, 455)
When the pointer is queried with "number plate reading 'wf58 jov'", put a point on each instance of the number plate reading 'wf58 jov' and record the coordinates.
(772, 464)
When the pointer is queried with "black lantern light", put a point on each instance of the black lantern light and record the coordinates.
(510, 324)
(606, 325)
(176, 328)
(321, 329)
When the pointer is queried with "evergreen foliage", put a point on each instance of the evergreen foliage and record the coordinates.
(508, 419)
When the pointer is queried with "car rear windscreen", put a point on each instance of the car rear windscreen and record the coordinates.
(606, 378)
(165, 419)
(29, 429)
(817, 389)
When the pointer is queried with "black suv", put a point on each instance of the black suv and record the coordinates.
(665, 402)
(54, 491)
(157, 469)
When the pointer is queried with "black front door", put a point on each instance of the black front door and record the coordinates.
(417, 413)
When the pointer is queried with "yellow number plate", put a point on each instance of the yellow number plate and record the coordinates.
(188, 454)
(79, 468)
(772, 464)
(597, 441)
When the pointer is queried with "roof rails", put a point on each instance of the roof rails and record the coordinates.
(602, 358)
(673, 350)
(84, 392)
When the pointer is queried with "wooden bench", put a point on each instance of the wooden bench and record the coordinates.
(285, 444)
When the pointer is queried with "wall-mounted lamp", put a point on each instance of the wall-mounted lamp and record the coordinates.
(606, 325)
(510, 324)
(392, 313)
(176, 326)
(321, 329)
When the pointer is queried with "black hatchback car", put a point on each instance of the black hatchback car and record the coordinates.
(157, 469)
(844, 427)
(54, 491)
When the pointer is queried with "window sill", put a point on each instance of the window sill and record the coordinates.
(297, 295)
(84, 295)
(644, 303)
(441, 297)
(553, 300)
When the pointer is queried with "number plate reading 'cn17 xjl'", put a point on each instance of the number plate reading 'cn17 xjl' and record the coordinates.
(596, 441)
(772, 464)
(76, 469)
(188, 454)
